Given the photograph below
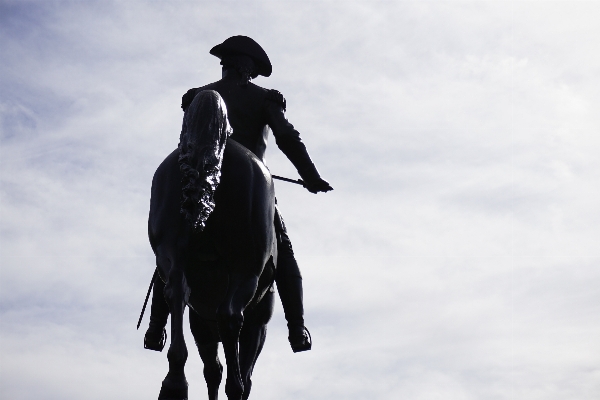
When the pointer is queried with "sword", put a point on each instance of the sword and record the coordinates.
(154, 277)
(297, 181)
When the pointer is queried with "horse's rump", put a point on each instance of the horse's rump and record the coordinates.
(239, 233)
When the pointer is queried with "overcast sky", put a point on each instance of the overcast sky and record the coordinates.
(457, 257)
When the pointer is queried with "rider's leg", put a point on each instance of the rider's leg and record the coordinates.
(289, 286)
(159, 313)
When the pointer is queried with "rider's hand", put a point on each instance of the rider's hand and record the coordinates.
(317, 185)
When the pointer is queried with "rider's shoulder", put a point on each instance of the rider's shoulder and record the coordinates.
(274, 96)
(187, 98)
(210, 86)
(269, 95)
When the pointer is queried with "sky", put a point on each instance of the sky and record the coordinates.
(456, 259)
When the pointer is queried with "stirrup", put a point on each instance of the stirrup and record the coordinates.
(158, 345)
(306, 343)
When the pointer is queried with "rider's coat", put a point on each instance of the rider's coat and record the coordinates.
(252, 110)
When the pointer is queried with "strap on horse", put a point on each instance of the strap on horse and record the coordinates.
(147, 296)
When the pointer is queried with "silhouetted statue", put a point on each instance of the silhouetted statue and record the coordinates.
(220, 246)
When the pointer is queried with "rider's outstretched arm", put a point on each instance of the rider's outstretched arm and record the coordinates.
(289, 141)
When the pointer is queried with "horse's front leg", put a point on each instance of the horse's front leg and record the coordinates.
(230, 319)
(175, 386)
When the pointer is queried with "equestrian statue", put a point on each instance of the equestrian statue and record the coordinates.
(219, 239)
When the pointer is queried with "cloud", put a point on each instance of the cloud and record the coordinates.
(457, 256)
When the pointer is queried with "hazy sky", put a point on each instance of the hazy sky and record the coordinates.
(457, 257)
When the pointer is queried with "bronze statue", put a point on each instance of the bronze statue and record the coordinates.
(220, 246)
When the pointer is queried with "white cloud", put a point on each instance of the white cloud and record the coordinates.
(456, 258)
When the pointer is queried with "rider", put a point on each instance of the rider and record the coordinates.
(252, 110)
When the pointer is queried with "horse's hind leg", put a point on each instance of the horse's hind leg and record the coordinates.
(208, 346)
(175, 386)
(252, 338)
(230, 319)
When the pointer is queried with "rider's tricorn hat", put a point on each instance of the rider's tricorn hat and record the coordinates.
(246, 46)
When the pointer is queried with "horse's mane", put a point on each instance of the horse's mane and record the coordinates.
(201, 144)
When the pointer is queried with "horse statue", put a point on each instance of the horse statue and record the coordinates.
(211, 228)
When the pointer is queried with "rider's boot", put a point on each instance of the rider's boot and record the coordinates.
(156, 335)
(289, 286)
(290, 292)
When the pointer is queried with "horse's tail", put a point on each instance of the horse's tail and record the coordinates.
(201, 144)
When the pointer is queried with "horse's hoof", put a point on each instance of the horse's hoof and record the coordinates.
(301, 341)
(234, 389)
(172, 398)
(154, 341)
(173, 389)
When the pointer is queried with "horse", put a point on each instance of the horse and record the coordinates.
(211, 228)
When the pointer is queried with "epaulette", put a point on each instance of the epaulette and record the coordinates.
(277, 97)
